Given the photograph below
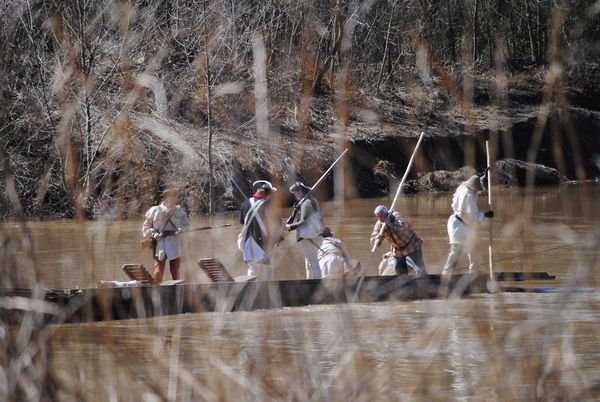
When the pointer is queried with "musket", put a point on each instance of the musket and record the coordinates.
(238, 188)
(146, 243)
(166, 233)
(291, 219)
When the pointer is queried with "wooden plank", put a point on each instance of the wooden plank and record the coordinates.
(137, 272)
(215, 270)
(523, 276)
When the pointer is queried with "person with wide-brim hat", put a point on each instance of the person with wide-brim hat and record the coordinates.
(462, 224)
(260, 231)
(309, 227)
(164, 223)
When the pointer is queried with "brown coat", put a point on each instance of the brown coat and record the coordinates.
(399, 233)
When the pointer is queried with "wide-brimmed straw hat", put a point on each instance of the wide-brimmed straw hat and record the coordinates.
(473, 183)
(265, 185)
(299, 186)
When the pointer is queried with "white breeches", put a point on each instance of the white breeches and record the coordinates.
(311, 255)
(332, 265)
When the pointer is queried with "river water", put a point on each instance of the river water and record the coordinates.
(506, 346)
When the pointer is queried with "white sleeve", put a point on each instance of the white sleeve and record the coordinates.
(470, 207)
(147, 227)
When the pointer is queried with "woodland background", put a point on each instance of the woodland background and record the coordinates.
(103, 103)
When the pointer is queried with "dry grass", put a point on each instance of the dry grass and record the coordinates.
(104, 103)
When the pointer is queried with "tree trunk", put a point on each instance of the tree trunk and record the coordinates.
(208, 119)
(385, 51)
(475, 32)
(531, 31)
(451, 33)
(513, 31)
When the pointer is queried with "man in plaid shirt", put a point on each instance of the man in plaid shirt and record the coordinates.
(402, 238)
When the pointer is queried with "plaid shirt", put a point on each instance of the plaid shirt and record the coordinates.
(399, 233)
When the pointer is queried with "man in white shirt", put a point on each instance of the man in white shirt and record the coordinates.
(164, 223)
(462, 224)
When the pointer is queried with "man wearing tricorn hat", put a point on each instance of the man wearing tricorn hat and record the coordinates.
(164, 223)
(462, 224)
(259, 233)
(308, 227)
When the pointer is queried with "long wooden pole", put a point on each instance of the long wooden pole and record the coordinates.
(398, 192)
(489, 191)
(291, 219)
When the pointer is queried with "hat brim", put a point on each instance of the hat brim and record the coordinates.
(473, 185)
(268, 184)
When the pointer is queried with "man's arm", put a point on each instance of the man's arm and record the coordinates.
(148, 230)
(185, 221)
(306, 210)
(375, 233)
(472, 208)
(244, 210)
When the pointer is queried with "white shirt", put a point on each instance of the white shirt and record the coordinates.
(168, 247)
(465, 207)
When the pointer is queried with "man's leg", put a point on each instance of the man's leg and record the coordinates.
(311, 254)
(400, 265)
(252, 271)
(456, 250)
(262, 272)
(417, 257)
(174, 267)
(473, 255)
(159, 269)
(470, 248)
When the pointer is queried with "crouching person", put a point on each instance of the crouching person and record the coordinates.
(334, 259)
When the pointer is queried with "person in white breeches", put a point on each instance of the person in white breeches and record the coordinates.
(462, 224)
(308, 226)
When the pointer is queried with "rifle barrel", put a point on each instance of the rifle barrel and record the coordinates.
(297, 207)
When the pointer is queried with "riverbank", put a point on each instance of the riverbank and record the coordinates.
(528, 131)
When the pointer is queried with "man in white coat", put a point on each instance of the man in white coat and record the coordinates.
(462, 224)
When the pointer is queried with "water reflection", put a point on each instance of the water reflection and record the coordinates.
(492, 347)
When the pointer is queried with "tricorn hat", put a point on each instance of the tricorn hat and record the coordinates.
(265, 185)
(299, 186)
(473, 183)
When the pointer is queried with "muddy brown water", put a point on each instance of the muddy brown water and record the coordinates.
(506, 346)
(557, 238)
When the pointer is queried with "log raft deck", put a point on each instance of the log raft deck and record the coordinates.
(225, 294)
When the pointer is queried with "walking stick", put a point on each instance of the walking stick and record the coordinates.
(378, 242)
(489, 187)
